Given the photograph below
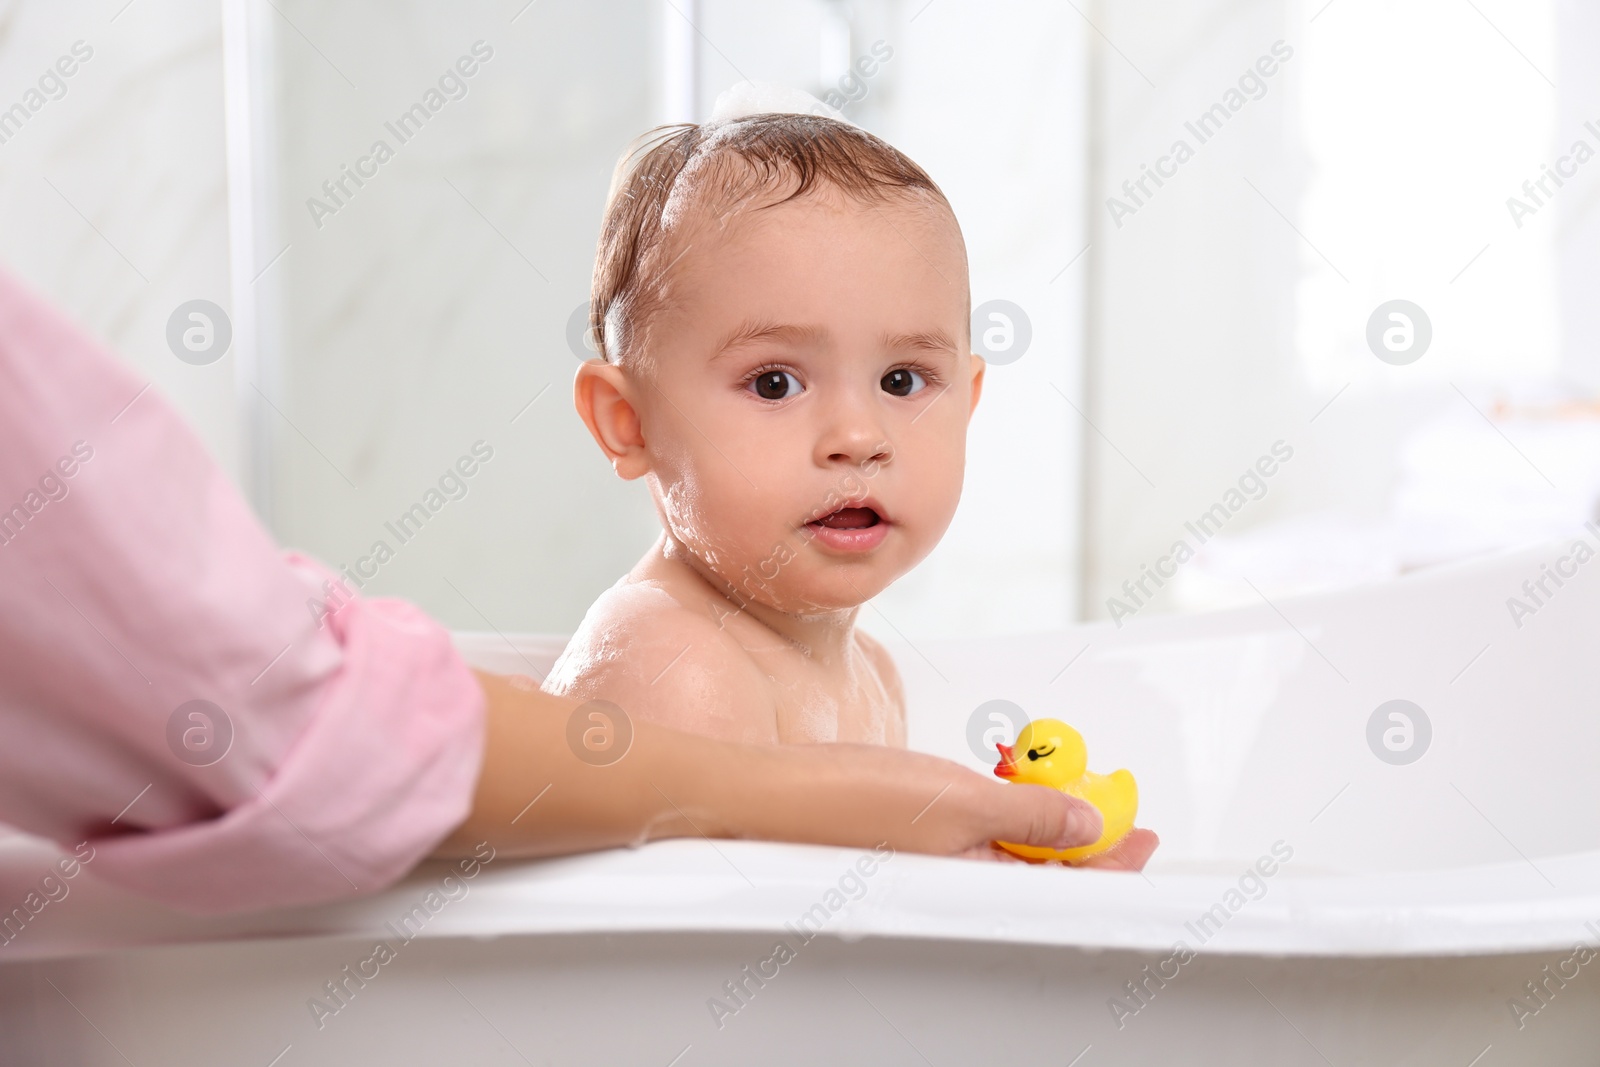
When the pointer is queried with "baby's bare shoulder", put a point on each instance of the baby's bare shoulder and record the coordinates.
(665, 660)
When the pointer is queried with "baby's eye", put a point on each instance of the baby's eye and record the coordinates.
(776, 385)
(902, 381)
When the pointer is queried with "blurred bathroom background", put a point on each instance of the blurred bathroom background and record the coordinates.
(1341, 154)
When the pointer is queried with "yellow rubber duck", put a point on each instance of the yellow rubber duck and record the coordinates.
(1049, 752)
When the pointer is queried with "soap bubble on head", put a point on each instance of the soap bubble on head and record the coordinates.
(744, 99)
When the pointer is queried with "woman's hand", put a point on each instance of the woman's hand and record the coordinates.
(1129, 854)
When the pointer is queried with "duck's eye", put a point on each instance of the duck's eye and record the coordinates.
(1032, 754)
(1043, 752)
(776, 385)
(902, 381)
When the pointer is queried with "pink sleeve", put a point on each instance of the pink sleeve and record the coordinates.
(135, 580)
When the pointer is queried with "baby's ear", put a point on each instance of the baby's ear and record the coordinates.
(978, 367)
(603, 395)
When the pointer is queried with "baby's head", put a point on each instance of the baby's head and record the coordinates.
(782, 307)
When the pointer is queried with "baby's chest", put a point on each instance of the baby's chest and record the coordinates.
(812, 706)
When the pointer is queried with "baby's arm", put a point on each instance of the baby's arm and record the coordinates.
(658, 660)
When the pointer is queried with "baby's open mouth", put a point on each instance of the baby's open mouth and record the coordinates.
(859, 526)
(849, 519)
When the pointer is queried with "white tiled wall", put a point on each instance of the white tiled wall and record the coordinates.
(430, 310)
(113, 198)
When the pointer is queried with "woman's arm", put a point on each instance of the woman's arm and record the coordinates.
(337, 740)
(536, 797)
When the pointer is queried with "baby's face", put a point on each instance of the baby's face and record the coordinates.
(806, 393)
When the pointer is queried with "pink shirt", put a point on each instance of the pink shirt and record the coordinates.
(134, 580)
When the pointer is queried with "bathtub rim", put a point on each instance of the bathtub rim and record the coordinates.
(1479, 911)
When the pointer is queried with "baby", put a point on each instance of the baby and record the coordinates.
(781, 303)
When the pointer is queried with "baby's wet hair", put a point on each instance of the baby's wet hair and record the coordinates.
(673, 171)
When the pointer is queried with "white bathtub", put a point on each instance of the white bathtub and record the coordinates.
(1419, 898)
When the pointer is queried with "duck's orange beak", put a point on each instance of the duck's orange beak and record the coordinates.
(1007, 767)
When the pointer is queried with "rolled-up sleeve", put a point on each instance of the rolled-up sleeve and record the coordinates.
(229, 726)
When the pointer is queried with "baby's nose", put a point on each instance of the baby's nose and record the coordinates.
(856, 445)
(854, 434)
(862, 452)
